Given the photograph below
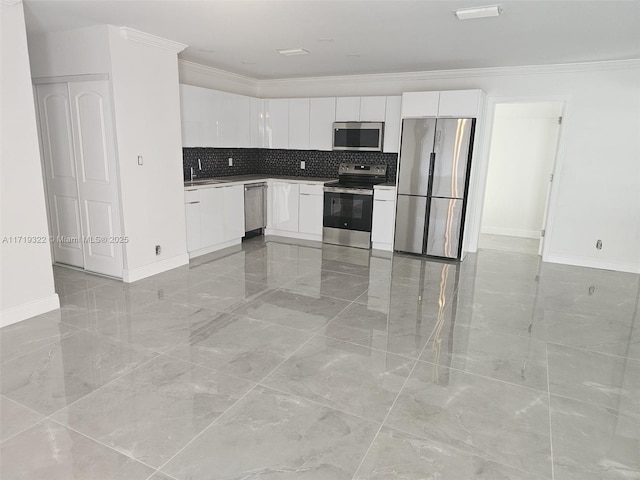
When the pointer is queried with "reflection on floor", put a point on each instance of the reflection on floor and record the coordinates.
(280, 361)
(508, 244)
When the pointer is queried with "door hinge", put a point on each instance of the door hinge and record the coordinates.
(560, 120)
(551, 177)
(542, 233)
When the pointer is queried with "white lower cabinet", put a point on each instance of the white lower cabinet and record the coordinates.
(192, 214)
(295, 210)
(311, 213)
(233, 212)
(384, 212)
(282, 206)
(214, 218)
(211, 217)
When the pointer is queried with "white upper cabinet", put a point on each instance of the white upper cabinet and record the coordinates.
(211, 118)
(299, 123)
(360, 109)
(452, 103)
(321, 117)
(372, 109)
(256, 122)
(420, 104)
(347, 109)
(460, 103)
(191, 111)
(233, 122)
(277, 123)
(392, 125)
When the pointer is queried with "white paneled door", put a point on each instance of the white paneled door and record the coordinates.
(60, 173)
(86, 133)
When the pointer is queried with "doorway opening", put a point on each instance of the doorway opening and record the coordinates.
(522, 157)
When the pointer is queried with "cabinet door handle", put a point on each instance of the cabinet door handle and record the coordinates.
(191, 203)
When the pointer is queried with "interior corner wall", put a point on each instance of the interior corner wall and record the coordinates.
(524, 141)
(147, 115)
(26, 280)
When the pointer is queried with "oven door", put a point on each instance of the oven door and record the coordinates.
(348, 211)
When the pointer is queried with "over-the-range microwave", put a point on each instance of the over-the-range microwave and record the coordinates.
(358, 136)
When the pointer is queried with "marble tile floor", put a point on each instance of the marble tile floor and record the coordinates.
(509, 243)
(276, 360)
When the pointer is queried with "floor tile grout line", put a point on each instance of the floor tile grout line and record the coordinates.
(79, 330)
(404, 384)
(215, 420)
(237, 401)
(606, 354)
(40, 420)
(593, 404)
(51, 415)
(101, 443)
(319, 404)
(549, 410)
(499, 380)
(375, 437)
(464, 452)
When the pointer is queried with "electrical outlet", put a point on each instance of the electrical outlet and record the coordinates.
(230, 162)
(140, 161)
(599, 244)
(158, 249)
(302, 165)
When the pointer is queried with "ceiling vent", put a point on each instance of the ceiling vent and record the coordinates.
(293, 51)
(478, 12)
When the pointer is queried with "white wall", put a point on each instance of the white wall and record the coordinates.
(144, 80)
(524, 140)
(26, 280)
(76, 52)
(147, 111)
(597, 193)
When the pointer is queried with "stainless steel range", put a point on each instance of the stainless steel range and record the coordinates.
(348, 204)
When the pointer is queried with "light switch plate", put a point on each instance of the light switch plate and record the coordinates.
(230, 162)
(302, 165)
(139, 159)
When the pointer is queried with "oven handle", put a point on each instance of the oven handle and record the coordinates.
(352, 191)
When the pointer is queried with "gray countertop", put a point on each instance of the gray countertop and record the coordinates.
(241, 179)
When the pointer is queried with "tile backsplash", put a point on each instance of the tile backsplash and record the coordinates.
(215, 162)
(248, 161)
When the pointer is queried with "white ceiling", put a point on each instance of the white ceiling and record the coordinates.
(387, 36)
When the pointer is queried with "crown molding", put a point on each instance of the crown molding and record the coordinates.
(153, 40)
(9, 2)
(458, 73)
(198, 68)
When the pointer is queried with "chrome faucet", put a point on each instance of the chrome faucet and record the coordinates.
(193, 174)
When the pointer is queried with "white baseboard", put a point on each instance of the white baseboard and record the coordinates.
(592, 263)
(298, 235)
(139, 273)
(28, 310)
(387, 247)
(214, 248)
(511, 232)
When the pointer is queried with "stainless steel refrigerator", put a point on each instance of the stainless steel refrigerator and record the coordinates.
(435, 160)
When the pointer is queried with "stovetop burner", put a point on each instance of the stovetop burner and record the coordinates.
(357, 176)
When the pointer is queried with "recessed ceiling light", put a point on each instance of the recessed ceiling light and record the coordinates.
(293, 51)
(325, 40)
(206, 50)
(248, 63)
(478, 12)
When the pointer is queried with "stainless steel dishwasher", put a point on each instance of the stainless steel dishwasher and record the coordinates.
(255, 208)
